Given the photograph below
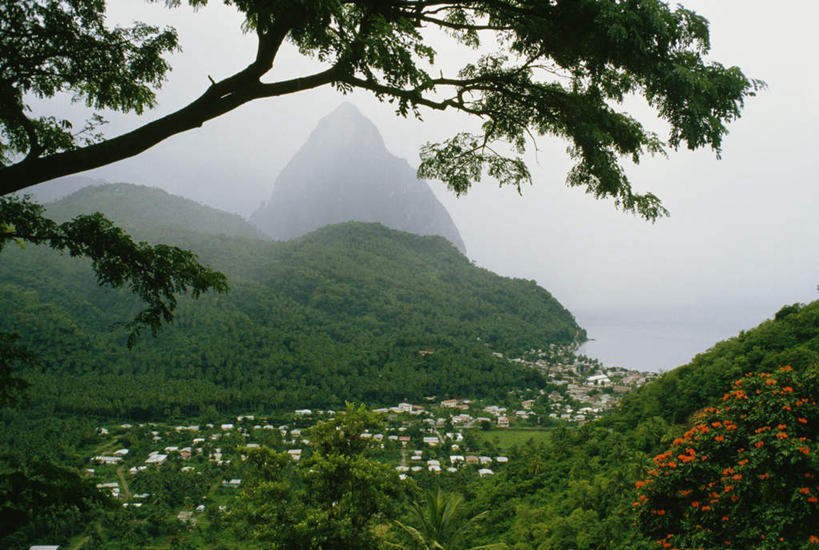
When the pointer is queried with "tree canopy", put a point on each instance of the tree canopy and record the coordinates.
(562, 68)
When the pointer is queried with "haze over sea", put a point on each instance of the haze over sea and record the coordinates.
(661, 339)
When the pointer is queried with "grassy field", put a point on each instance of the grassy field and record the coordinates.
(506, 438)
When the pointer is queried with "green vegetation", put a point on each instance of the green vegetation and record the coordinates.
(338, 315)
(745, 474)
(343, 313)
(513, 437)
(331, 500)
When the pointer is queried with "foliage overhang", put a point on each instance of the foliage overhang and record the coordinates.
(562, 69)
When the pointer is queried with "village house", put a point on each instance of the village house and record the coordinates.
(108, 460)
(155, 458)
(503, 422)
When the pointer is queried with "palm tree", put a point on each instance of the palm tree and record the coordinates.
(440, 524)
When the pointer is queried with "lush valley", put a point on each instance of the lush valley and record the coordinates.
(358, 312)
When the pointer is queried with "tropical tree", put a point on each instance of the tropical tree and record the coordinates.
(562, 68)
(746, 474)
(332, 499)
(440, 523)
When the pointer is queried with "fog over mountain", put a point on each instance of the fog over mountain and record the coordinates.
(345, 173)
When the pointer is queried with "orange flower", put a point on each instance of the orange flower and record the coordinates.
(706, 508)
(804, 490)
(716, 424)
(803, 420)
(786, 408)
(782, 435)
(781, 427)
(759, 444)
(766, 475)
(787, 389)
(813, 539)
(725, 518)
(812, 499)
(695, 504)
(719, 439)
(771, 382)
(786, 368)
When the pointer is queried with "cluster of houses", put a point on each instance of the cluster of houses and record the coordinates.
(580, 389)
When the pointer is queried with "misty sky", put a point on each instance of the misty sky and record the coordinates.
(741, 240)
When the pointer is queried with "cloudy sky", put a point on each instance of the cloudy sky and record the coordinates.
(740, 242)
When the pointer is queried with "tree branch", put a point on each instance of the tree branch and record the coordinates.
(220, 98)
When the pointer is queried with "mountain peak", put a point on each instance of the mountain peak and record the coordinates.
(346, 128)
(344, 172)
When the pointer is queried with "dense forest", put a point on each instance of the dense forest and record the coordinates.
(342, 314)
(576, 488)
(338, 315)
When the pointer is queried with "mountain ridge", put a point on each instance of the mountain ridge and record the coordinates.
(338, 314)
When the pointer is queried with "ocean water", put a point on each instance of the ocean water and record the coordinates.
(661, 339)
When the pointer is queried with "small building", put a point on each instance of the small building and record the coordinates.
(503, 422)
(485, 472)
(107, 460)
(157, 459)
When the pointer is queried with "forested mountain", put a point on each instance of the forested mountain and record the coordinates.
(340, 314)
(345, 173)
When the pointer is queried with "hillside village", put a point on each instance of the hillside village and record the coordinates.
(449, 436)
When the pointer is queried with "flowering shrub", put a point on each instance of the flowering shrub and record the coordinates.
(745, 475)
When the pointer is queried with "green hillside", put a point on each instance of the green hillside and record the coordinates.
(340, 314)
(790, 338)
(149, 208)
